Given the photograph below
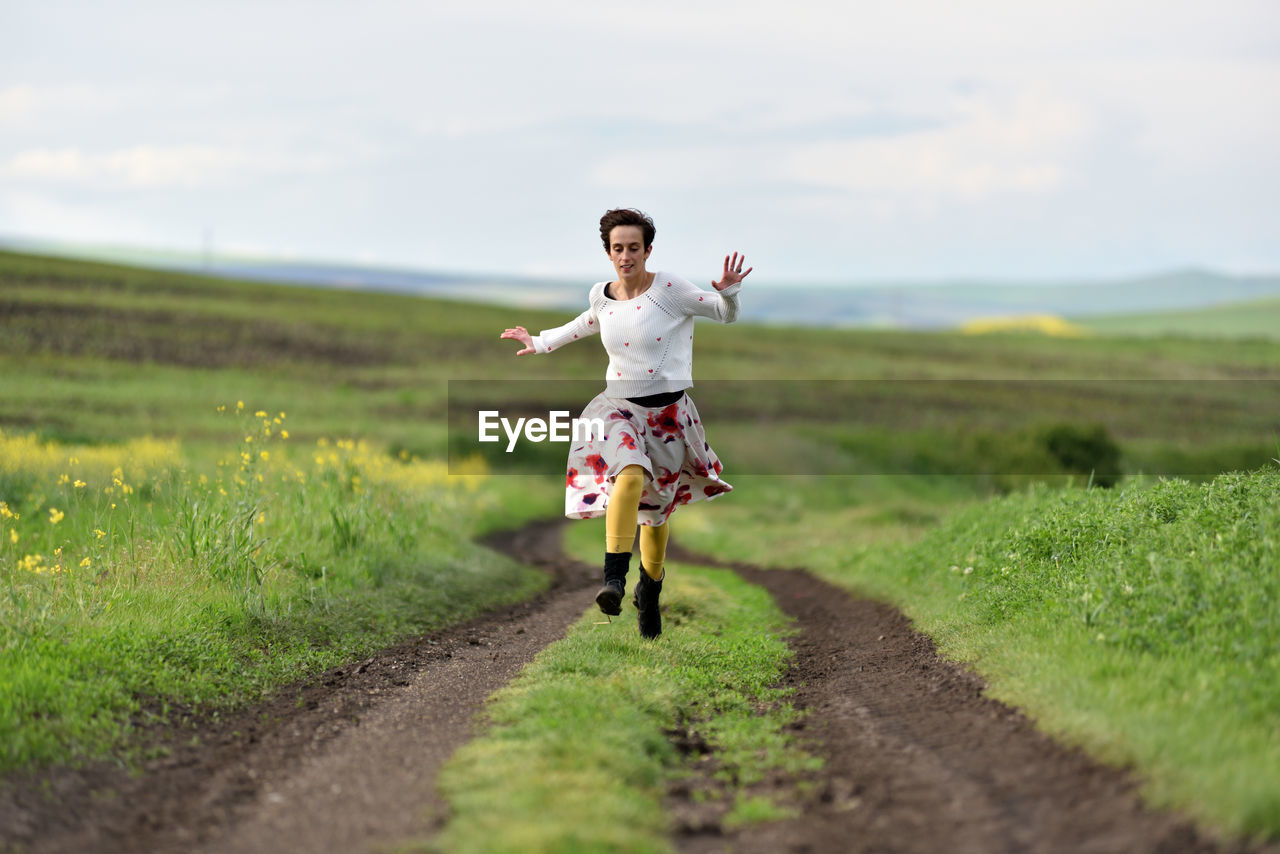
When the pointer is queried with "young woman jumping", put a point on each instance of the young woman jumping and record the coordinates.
(654, 455)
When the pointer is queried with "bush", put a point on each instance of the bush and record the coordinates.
(1081, 449)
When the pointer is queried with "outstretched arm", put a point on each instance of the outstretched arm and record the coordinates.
(720, 304)
(582, 326)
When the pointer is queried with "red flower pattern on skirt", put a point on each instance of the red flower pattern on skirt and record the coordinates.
(598, 465)
(669, 443)
(664, 424)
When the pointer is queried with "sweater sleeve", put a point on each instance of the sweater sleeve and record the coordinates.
(580, 327)
(722, 306)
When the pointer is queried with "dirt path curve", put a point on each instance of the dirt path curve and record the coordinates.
(345, 762)
(918, 759)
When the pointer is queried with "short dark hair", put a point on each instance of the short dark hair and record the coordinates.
(626, 216)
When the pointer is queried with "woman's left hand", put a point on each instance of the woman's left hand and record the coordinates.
(732, 272)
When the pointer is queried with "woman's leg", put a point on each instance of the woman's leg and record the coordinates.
(621, 514)
(623, 509)
(653, 549)
(653, 552)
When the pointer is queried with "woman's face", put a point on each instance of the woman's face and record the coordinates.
(627, 251)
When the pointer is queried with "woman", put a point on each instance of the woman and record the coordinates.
(654, 455)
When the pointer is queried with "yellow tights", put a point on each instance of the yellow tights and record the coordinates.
(621, 515)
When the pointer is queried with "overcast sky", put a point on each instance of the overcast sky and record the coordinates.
(828, 141)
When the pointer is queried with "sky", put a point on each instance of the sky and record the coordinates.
(828, 141)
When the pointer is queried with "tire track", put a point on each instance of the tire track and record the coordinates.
(343, 762)
(919, 760)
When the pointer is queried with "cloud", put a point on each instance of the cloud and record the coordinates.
(987, 148)
(155, 166)
(34, 214)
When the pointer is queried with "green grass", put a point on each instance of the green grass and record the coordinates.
(138, 577)
(1257, 318)
(577, 754)
(1142, 623)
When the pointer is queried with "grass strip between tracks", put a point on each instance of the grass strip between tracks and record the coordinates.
(578, 755)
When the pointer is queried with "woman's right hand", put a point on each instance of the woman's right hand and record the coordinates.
(522, 335)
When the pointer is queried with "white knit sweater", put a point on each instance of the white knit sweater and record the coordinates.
(649, 339)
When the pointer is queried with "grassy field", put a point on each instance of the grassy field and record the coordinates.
(1256, 319)
(1141, 622)
(201, 584)
(137, 576)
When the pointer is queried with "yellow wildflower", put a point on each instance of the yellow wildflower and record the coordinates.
(281, 416)
(100, 533)
(6, 513)
(79, 484)
(63, 479)
(262, 517)
(13, 536)
(58, 551)
(284, 434)
(265, 455)
(84, 562)
(260, 414)
(239, 404)
(248, 438)
(55, 515)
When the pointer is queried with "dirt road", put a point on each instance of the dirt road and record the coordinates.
(917, 759)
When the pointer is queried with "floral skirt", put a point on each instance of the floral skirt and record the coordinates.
(667, 442)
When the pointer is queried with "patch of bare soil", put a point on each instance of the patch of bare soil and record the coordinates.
(918, 759)
(343, 762)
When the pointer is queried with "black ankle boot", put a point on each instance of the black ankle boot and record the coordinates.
(646, 601)
(615, 582)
